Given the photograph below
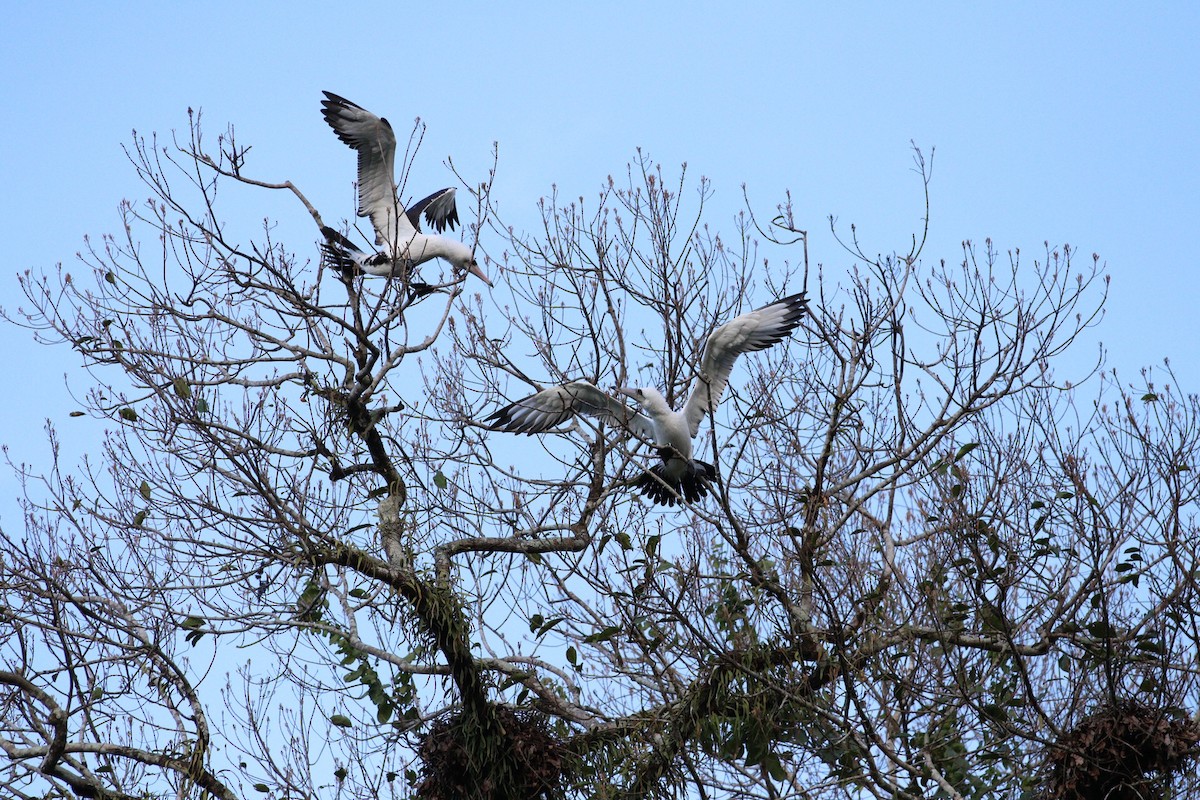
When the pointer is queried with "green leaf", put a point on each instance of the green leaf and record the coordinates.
(992, 618)
(572, 656)
(202, 406)
(77, 414)
(129, 414)
(651, 547)
(623, 539)
(340, 773)
(966, 448)
(602, 636)
(994, 712)
(1149, 397)
(261, 787)
(191, 623)
(358, 593)
(144, 490)
(547, 626)
(1150, 646)
(774, 768)
(341, 720)
(439, 480)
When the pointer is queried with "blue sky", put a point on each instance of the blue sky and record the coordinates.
(1076, 124)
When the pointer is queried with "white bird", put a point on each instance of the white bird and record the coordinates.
(397, 231)
(679, 478)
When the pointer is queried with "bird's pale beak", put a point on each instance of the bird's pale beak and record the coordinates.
(474, 269)
(625, 390)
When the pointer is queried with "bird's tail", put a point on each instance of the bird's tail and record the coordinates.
(338, 252)
(341, 254)
(696, 483)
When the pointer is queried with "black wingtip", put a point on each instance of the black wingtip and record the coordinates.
(655, 485)
(796, 308)
(333, 101)
(695, 484)
(425, 209)
(797, 305)
(440, 225)
(331, 110)
(503, 420)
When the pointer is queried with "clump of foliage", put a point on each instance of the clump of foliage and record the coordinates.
(1122, 751)
(520, 759)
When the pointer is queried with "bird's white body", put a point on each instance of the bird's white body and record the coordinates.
(397, 231)
(422, 247)
(679, 476)
(398, 261)
(672, 434)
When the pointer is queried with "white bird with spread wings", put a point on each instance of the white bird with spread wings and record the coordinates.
(679, 478)
(397, 230)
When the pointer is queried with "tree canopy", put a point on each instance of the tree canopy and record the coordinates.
(939, 560)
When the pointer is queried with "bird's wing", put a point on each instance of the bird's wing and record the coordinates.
(375, 142)
(754, 330)
(439, 209)
(551, 407)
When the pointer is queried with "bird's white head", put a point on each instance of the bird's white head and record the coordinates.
(473, 268)
(651, 400)
(461, 257)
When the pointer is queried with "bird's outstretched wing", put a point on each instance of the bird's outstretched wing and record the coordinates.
(439, 209)
(552, 407)
(375, 142)
(754, 330)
